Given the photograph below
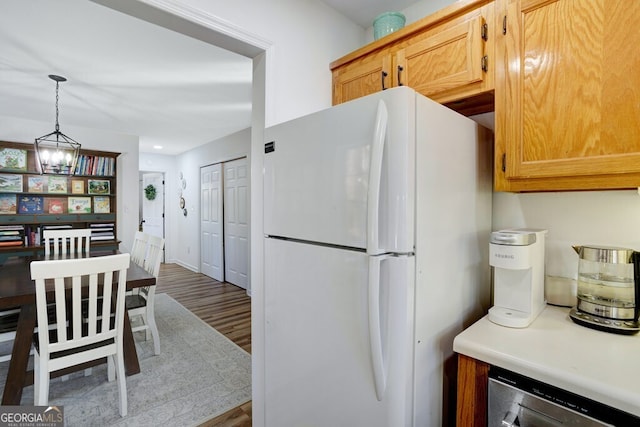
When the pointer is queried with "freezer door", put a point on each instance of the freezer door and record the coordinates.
(318, 362)
(317, 174)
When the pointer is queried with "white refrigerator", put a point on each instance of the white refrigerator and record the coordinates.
(377, 215)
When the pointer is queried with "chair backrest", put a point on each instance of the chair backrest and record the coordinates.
(66, 241)
(139, 248)
(155, 245)
(80, 321)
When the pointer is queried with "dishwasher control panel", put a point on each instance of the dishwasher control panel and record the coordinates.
(516, 400)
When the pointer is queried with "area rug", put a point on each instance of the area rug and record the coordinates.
(198, 375)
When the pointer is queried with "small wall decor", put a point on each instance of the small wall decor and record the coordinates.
(182, 184)
(150, 192)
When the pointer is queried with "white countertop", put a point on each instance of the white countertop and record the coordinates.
(602, 366)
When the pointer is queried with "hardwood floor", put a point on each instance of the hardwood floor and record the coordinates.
(225, 307)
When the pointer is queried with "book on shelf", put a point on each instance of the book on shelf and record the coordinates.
(32, 235)
(103, 231)
(103, 237)
(30, 204)
(11, 227)
(57, 206)
(8, 204)
(13, 159)
(57, 184)
(77, 186)
(95, 165)
(13, 243)
(79, 204)
(56, 226)
(101, 204)
(10, 183)
(37, 184)
(12, 235)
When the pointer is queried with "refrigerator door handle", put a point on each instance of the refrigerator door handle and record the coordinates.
(375, 178)
(375, 329)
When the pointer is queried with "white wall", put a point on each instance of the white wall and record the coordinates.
(571, 218)
(183, 233)
(306, 36)
(415, 12)
(20, 130)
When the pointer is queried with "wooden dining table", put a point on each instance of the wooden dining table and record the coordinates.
(17, 290)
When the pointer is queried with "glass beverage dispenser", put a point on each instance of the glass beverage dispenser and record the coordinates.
(607, 289)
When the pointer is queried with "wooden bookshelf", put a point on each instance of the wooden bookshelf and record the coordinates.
(31, 202)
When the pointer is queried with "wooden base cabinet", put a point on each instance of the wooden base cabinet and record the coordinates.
(473, 383)
(567, 98)
(446, 56)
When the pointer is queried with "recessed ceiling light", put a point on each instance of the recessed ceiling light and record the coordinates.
(157, 147)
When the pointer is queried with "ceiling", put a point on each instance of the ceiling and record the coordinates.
(363, 12)
(129, 76)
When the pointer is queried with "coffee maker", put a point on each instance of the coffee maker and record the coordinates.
(608, 289)
(517, 256)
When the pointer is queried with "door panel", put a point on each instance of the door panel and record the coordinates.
(153, 210)
(211, 221)
(318, 353)
(236, 222)
(446, 60)
(571, 99)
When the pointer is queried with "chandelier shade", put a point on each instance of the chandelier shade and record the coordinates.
(56, 152)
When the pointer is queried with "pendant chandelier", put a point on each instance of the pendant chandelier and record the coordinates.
(56, 152)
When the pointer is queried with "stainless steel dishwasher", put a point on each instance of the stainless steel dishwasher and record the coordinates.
(515, 400)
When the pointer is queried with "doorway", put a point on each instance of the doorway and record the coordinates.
(224, 216)
(151, 210)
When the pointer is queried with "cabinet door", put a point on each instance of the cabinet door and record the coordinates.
(570, 103)
(450, 58)
(363, 77)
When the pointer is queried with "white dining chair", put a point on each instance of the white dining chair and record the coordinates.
(141, 302)
(85, 328)
(139, 247)
(66, 241)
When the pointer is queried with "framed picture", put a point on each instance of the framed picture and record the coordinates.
(101, 204)
(77, 186)
(13, 159)
(37, 184)
(30, 204)
(79, 205)
(57, 184)
(8, 204)
(99, 186)
(10, 183)
(57, 206)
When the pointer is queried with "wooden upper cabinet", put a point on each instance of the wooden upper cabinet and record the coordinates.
(568, 109)
(363, 77)
(446, 56)
(445, 59)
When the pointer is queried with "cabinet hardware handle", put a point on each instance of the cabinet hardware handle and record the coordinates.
(504, 163)
(504, 25)
(400, 68)
(485, 63)
(384, 74)
(485, 32)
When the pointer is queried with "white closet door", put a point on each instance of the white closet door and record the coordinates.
(211, 238)
(236, 222)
